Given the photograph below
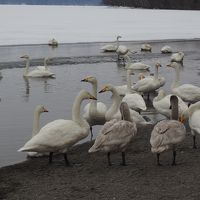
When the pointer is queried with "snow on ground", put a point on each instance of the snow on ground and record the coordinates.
(23, 24)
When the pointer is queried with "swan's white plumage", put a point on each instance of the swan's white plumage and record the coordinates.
(111, 47)
(166, 49)
(162, 104)
(146, 47)
(59, 135)
(177, 57)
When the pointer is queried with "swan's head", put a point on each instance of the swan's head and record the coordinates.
(40, 109)
(158, 65)
(141, 76)
(119, 37)
(89, 79)
(125, 112)
(86, 95)
(106, 88)
(24, 57)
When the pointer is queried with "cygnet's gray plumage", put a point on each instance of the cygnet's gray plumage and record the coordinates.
(116, 134)
(167, 134)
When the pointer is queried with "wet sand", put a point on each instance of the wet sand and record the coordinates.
(89, 176)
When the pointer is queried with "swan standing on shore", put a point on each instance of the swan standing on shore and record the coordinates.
(177, 57)
(167, 134)
(111, 47)
(193, 113)
(40, 71)
(94, 112)
(114, 113)
(60, 135)
(162, 104)
(36, 126)
(166, 49)
(187, 92)
(150, 84)
(115, 135)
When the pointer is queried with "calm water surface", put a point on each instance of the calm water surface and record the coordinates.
(19, 96)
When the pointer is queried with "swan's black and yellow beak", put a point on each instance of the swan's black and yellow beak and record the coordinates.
(182, 119)
(93, 98)
(168, 65)
(84, 80)
(45, 110)
(104, 89)
(158, 65)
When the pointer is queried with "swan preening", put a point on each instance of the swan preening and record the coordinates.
(115, 135)
(40, 71)
(61, 134)
(111, 47)
(94, 112)
(166, 49)
(187, 92)
(167, 134)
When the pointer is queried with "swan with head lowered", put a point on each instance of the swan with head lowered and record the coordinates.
(36, 126)
(94, 112)
(111, 47)
(177, 57)
(167, 134)
(187, 92)
(40, 71)
(193, 113)
(114, 113)
(61, 134)
(115, 135)
(150, 83)
(162, 104)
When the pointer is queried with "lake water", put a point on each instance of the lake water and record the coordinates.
(71, 63)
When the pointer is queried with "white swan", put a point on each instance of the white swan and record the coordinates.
(150, 83)
(177, 57)
(111, 47)
(94, 112)
(187, 92)
(36, 126)
(60, 135)
(162, 104)
(146, 47)
(114, 113)
(166, 49)
(53, 42)
(40, 71)
(136, 65)
(193, 113)
(115, 135)
(168, 133)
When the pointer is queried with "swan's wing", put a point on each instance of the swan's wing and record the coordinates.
(109, 47)
(194, 121)
(135, 101)
(107, 126)
(56, 135)
(40, 67)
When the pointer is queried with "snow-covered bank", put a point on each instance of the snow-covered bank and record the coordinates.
(22, 24)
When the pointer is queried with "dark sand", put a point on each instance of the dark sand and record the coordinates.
(90, 177)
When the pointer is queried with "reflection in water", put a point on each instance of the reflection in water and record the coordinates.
(46, 86)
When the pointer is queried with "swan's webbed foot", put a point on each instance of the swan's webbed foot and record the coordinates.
(174, 158)
(194, 142)
(158, 160)
(108, 157)
(91, 133)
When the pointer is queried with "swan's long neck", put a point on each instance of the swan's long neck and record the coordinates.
(93, 104)
(156, 73)
(176, 82)
(36, 123)
(128, 79)
(116, 100)
(76, 115)
(128, 61)
(26, 70)
(117, 43)
(45, 64)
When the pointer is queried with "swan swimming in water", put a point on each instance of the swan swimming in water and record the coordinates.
(146, 47)
(177, 57)
(40, 71)
(167, 134)
(94, 112)
(166, 49)
(59, 135)
(115, 135)
(53, 42)
(111, 47)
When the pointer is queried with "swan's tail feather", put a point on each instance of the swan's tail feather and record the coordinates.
(92, 150)
(24, 148)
